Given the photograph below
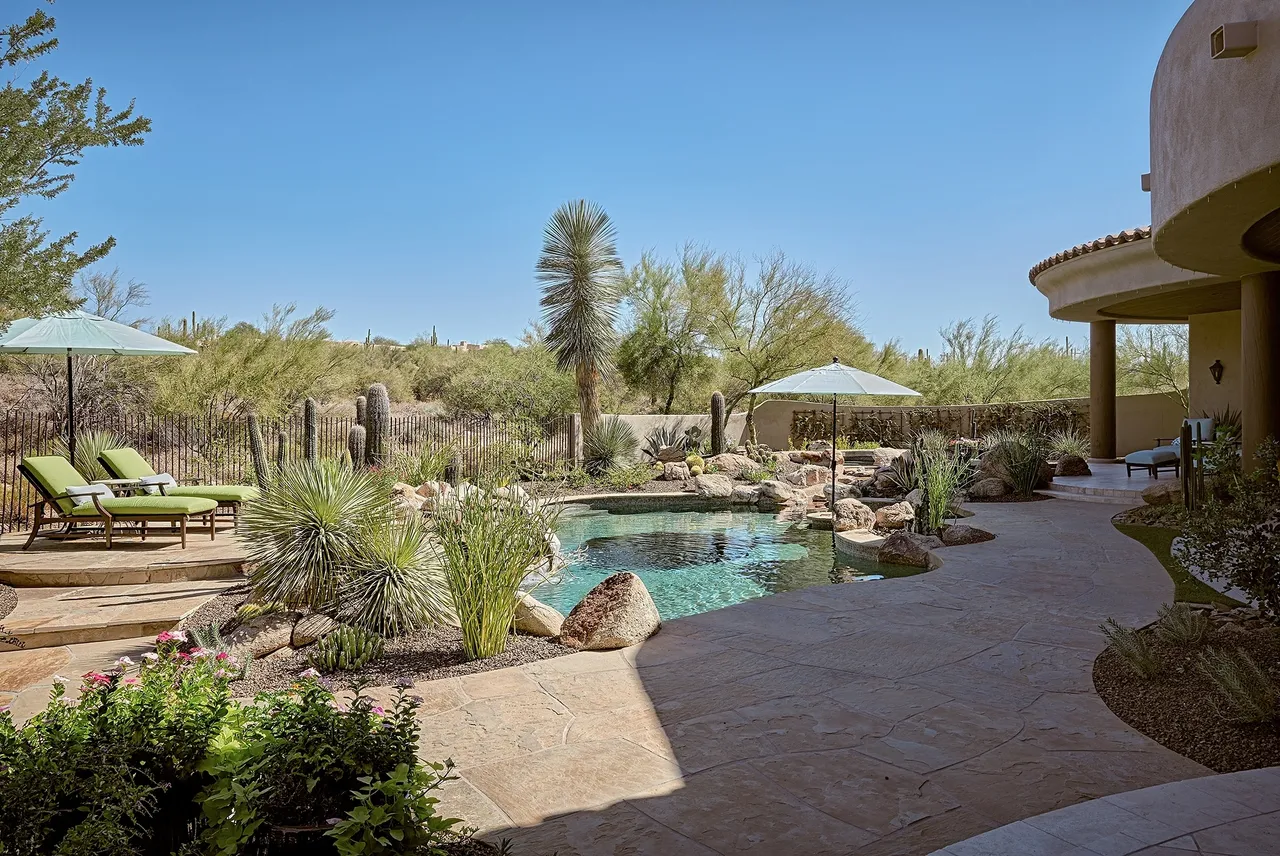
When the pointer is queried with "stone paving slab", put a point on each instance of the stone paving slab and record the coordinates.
(130, 561)
(893, 717)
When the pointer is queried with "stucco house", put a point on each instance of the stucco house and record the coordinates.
(1211, 256)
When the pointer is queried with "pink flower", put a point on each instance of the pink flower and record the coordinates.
(96, 679)
(179, 636)
(130, 680)
(378, 711)
(223, 655)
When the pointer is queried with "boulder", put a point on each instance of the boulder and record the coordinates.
(777, 491)
(616, 613)
(713, 486)
(988, 488)
(311, 628)
(745, 494)
(1072, 465)
(672, 454)
(433, 489)
(1163, 493)
(904, 548)
(536, 618)
(885, 456)
(678, 471)
(851, 514)
(408, 493)
(808, 475)
(915, 497)
(843, 491)
(784, 462)
(895, 516)
(732, 465)
(957, 535)
(260, 636)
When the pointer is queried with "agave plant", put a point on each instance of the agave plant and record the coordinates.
(609, 444)
(89, 445)
(394, 583)
(345, 649)
(581, 276)
(666, 436)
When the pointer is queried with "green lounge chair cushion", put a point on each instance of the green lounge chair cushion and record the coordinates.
(216, 492)
(126, 463)
(142, 506)
(54, 474)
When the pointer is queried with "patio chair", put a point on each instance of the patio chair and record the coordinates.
(126, 463)
(67, 500)
(1167, 453)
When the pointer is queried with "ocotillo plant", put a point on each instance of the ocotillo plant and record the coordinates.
(355, 446)
(377, 426)
(717, 423)
(360, 410)
(257, 451)
(310, 433)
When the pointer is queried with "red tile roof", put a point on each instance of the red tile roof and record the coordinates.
(1128, 236)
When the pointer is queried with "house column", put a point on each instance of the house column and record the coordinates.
(1260, 354)
(1102, 390)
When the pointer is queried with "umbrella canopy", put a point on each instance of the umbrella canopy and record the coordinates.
(79, 332)
(834, 378)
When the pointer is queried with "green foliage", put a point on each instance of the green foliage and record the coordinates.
(1247, 691)
(668, 435)
(1132, 648)
(48, 125)
(258, 608)
(631, 476)
(519, 381)
(763, 473)
(395, 813)
(1153, 358)
(89, 445)
(310, 447)
(1068, 442)
(345, 649)
(392, 583)
(1019, 455)
(258, 451)
(942, 472)
(427, 464)
(607, 445)
(570, 477)
(1179, 624)
(489, 547)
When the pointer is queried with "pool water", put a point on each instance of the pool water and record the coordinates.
(693, 561)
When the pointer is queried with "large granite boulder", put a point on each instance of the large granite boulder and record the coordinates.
(745, 494)
(672, 454)
(1072, 465)
(886, 457)
(536, 618)
(906, 548)
(713, 486)
(260, 636)
(915, 497)
(957, 535)
(777, 491)
(988, 488)
(732, 465)
(843, 491)
(895, 516)
(677, 471)
(851, 515)
(783, 462)
(616, 613)
(808, 475)
(1163, 493)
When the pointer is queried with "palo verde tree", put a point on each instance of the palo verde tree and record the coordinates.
(581, 281)
(45, 127)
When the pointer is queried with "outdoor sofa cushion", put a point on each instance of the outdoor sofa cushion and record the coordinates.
(1152, 457)
(128, 464)
(144, 506)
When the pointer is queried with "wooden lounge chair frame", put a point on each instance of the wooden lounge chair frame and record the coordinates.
(107, 519)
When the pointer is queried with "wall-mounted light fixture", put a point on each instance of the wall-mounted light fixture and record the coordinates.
(1216, 371)
(1234, 40)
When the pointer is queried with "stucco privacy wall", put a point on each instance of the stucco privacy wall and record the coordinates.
(1139, 418)
(1215, 336)
(643, 425)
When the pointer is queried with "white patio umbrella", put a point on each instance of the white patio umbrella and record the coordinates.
(79, 332)
(834, 379)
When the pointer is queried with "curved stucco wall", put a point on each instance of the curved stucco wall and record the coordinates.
(1215, 139)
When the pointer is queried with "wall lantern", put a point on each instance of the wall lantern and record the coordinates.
(1216, 371)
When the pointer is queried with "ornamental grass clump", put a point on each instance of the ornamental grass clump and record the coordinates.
(489, 547)
(940, 470)
(1248, 693)
(610, 443)
(1068, 442)
(1132, 648)
(1020, 456)
(1179, 624)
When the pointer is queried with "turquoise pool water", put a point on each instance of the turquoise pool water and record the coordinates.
(694, 560)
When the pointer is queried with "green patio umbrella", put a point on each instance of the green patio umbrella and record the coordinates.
(79, 332)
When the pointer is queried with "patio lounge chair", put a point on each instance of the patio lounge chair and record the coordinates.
(67, 500)
(126, 463)
(1168, 451)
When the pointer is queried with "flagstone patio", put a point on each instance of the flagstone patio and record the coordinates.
(890, 717)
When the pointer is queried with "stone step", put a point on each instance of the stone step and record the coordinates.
(1104, 499)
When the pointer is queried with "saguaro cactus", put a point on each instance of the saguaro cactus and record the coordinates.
(310, 434)
(355, 446)
(377, 426)
(360, 410)
(717, 423)
(281, 451)
(257, 451)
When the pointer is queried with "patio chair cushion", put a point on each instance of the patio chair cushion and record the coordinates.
(54, 474)
(216, 492)
(1152, 457)
(143, 506)
(126, 463)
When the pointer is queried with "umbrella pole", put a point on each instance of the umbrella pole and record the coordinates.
(71, 409)
(833, 481)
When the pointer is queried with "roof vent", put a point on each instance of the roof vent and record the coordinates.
(1233, 40)
(1146, 182)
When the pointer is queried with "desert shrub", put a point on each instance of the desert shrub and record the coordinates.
(488, 548)
(1234, 535)
(89, 445)
(1020, 455)
(1179, 624)
(1068, 442)
(393, 583)
(764, 473)
(1132, 648)
(345, 649)
(1245, 689)
(937, 468)
(626, 477)
(570, 477)
(427, 464)
(610, 443)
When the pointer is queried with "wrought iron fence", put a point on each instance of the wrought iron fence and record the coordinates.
(217, 450)
(896, 426)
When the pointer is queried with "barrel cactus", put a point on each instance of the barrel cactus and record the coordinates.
(355, 445)
(257, 451)
(377, 426)
(717, 424)
(310, 433)
(360, 409)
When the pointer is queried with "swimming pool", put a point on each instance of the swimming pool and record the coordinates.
(693, 560)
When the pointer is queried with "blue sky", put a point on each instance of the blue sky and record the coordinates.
(397, 161)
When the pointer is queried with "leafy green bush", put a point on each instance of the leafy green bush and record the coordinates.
(345, 649)
(89, 445)
(627, 477)
(1132, 648)
(1248, 692)
(489, 546)
(1179, 624)
(607, 445)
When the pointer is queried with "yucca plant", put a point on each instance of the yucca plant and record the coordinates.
(89, 445)
(489, 547)
(610, 443)
(346, 649)
(394, 583)
(299, 535)
(1179, 624)
(1247, 690)
(1068, 442)
(1131, 646)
